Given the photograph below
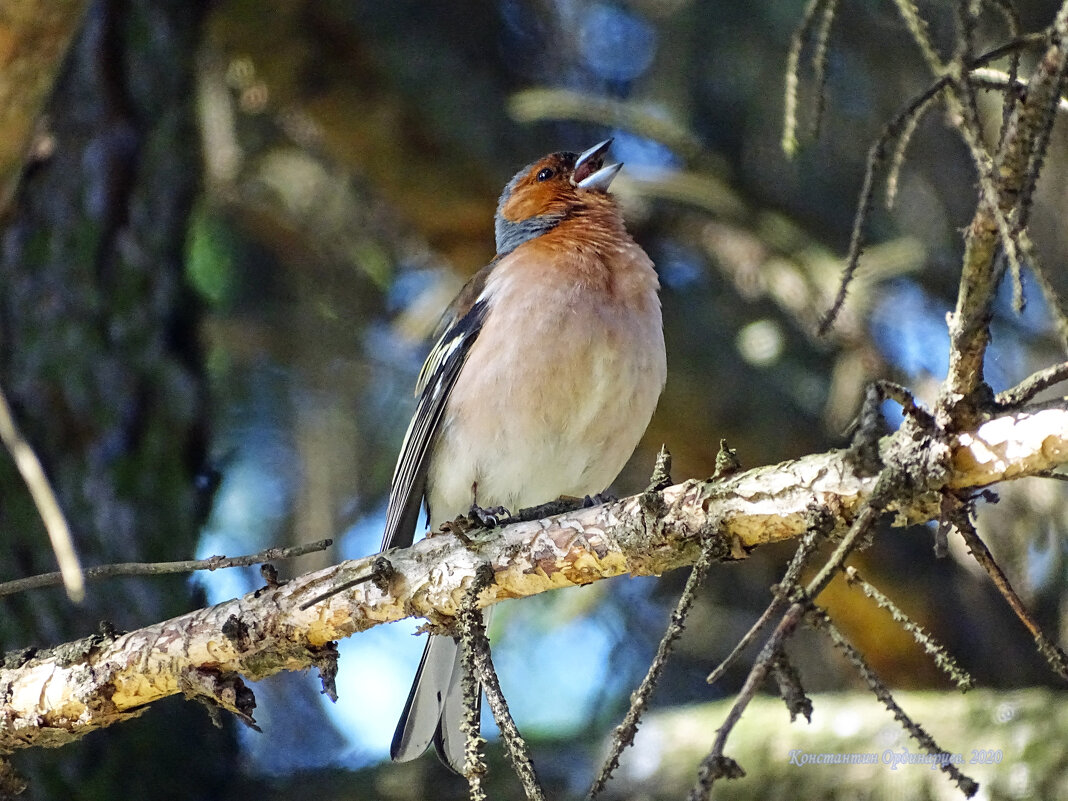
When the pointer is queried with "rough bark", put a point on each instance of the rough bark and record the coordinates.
(100, 358)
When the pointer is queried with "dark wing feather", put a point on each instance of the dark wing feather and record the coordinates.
(435, 383)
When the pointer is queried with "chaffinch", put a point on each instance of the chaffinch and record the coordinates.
(548, 369)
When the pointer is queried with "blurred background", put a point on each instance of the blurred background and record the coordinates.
(233, 225)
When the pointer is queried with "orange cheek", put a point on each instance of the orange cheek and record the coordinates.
(533, 200)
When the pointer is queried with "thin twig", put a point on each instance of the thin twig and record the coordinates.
(1053, 299)
(988, 78)
(716, 765)
(793, 65)
(819, 618)
(164, 568)
(1045, 89)
(860, 529)
(1032, 385)
(774, 607)
(991, 188)
(906, 400)
(471, 626)
(982, 270)
(381, 574)
(783, 591)
(515, 745)
(936, 650)
(1012, 22)
(711, 765)
(917, 26)
(788, 679)
(29, 467)
(876, 158)
(897, 160)
(623, 736)
(1029, 41)
(902, 127)
(1056, 658)
(819, 64)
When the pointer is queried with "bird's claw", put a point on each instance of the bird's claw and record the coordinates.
(488, 518)
(598, 499)
(475, 519)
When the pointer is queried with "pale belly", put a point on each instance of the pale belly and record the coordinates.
(547, 421)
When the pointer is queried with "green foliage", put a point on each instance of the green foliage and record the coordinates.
(209, 257)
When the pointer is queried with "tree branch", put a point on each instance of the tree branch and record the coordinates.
(55, 696)
(163, 568)
(1014, 164)
(44, 498)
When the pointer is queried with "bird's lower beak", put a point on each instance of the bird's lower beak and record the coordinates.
(590, 173)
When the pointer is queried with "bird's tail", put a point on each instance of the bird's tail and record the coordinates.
(435, 707)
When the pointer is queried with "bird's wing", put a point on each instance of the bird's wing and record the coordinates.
(436, 380)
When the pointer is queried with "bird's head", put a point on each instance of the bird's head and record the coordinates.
(543, 194)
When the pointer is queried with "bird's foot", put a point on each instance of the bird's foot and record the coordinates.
(598, 499)
(476, 519)
(488, 518)
(565, 503)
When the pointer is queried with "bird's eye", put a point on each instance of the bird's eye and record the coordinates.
(546, 174)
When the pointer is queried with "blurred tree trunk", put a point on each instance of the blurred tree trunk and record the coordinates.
(101, 365)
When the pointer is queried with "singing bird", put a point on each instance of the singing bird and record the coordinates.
(546, 373)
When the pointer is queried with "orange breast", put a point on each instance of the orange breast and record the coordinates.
(561, 382)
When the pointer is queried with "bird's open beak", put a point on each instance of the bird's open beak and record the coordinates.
(590, 174)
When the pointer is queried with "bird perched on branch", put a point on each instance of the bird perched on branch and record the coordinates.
(548, 369)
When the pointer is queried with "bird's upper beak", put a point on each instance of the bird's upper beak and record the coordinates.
(590, 172)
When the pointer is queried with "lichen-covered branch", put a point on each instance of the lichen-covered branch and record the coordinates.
(1014, 170)
(55, 696)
